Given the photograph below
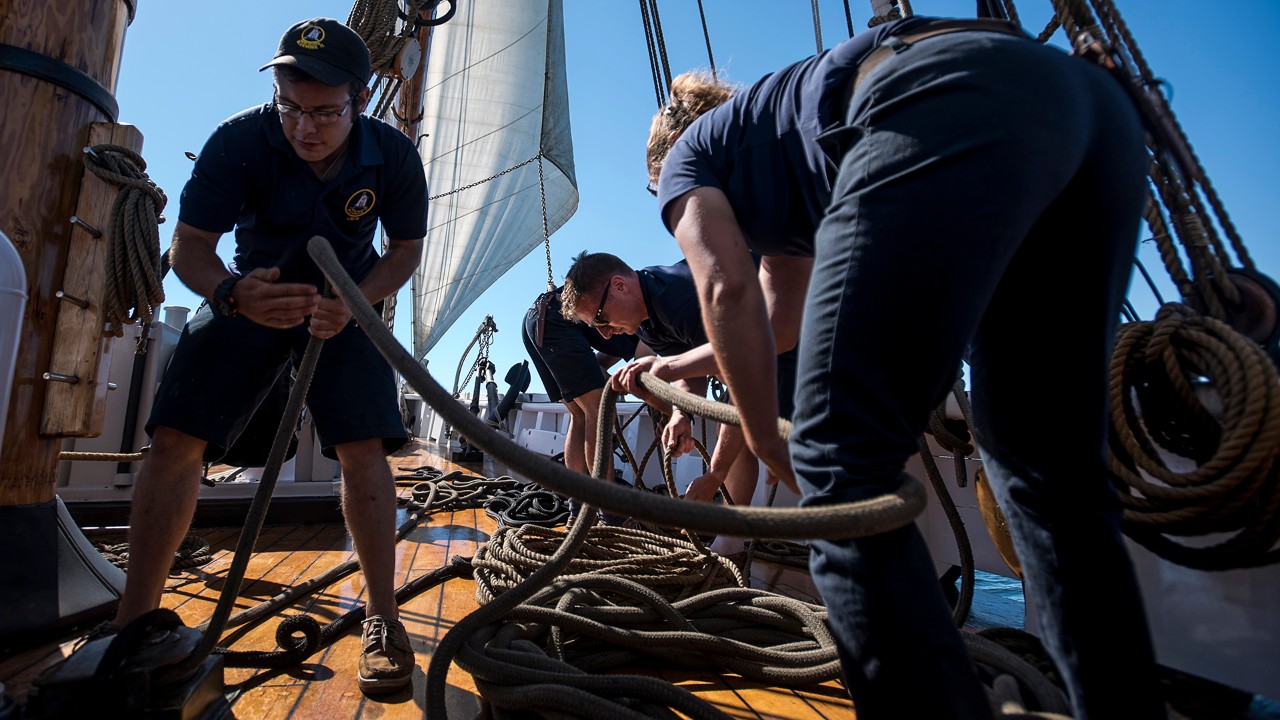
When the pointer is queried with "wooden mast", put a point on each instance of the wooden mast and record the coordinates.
(47, 46)
(59, 63)
(408, 106)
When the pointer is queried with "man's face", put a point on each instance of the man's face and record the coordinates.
(304, 109)
(611, 313)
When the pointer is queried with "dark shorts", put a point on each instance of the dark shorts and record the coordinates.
(223, 368)
(566, 362)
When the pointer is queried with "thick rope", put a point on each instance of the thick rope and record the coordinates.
(872, 516)
(135, 274)
(1195, 440)
(192, 552)
(671, 567)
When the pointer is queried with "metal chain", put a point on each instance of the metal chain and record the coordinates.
(481, 182)
(546, 232)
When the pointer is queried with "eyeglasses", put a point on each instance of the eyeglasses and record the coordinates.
(319, 117)
(599, 322)
(652, 187)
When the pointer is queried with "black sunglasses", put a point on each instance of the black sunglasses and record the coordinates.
(604, 297)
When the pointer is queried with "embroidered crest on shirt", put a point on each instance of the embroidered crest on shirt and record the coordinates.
(359, 204)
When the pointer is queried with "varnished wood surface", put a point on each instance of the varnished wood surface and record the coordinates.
(81, 349)
(325, 685)
(41, 139)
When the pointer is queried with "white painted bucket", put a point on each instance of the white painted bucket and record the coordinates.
(13, 301)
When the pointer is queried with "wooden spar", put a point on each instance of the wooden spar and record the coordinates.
(409, 102)
(45, 128)
(409, 109)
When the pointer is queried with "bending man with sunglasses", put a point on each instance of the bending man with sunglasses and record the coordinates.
(305, 164)
(659, 304)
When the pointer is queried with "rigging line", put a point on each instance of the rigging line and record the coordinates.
(707, 36)
(662, 44)
(848, 17)
(817, 24)
(658, 90)
(1150, 283)
(1111, 16)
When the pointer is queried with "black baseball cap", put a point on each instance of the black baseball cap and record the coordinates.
(325, 49)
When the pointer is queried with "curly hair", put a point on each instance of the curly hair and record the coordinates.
(692, 94)
(587, 276)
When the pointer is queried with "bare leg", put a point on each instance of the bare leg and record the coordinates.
(588, 407)
(164, 500)
(575, 440)
(369, 506)
(741, 485)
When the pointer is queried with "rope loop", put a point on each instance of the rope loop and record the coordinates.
(135, 271)
(1195, 440)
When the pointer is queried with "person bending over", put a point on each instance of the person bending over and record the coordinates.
(573, 362)
(927, 180)
(660, 305)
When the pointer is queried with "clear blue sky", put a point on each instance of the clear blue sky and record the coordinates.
(187, 66)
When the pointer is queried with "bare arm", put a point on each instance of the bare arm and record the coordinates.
(784, 281)
(729, 445)
(257, 296)
(735, 313)
(677, 435)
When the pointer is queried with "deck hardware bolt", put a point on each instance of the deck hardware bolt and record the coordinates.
(59, 377)
(78, 302)
(93, 231)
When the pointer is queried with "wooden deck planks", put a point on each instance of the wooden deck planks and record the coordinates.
(325, 687)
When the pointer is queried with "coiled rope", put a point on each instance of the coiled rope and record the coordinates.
(135, 273)
(1195, 440)
(844, 520)
(1186, 466)
(193, 552)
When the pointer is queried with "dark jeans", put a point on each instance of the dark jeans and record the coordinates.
(987, 207)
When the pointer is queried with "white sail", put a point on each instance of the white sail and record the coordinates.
(496, 100)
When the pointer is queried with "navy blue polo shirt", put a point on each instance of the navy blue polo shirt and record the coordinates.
(675, 315)
(248, 178)
(763, 148)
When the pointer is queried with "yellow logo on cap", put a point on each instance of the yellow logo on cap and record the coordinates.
(360, 203)
(312, 37)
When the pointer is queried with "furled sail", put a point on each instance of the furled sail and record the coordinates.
(496, 113)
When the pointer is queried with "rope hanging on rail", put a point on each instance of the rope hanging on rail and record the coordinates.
(1195, 425)
(135, 271)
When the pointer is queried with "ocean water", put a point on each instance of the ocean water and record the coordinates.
(998, 585)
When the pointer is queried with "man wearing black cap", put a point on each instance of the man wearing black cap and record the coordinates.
(307, 163)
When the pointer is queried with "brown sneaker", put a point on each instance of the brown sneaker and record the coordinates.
(386, 660)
